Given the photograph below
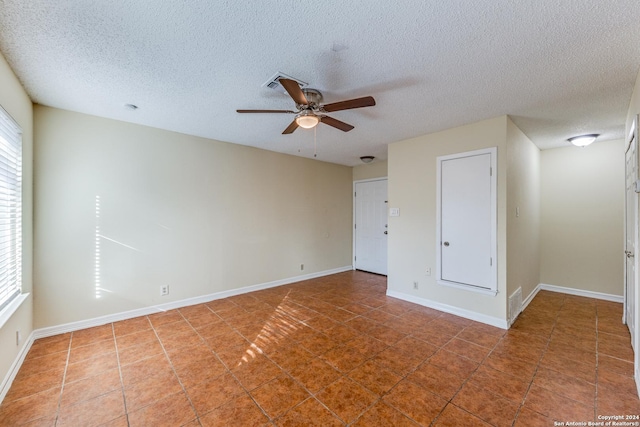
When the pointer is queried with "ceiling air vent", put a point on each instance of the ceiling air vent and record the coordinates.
(273, 82)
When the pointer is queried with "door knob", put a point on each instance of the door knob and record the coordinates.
(446, 243)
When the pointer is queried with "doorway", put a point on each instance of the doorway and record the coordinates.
(370, 226)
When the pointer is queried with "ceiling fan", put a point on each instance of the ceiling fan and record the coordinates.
(311, 111)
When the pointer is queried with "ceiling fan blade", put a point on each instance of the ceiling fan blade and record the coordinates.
(345, 127)
(293, 126)
(293, 89)
(366, 101)
(265, 111)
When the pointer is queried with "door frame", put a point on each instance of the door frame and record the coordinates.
(353, 219)
(493, 152)
(633, 134)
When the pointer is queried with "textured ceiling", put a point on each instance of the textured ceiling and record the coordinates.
(559, 68)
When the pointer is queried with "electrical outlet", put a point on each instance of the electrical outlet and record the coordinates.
(428, 271)
(415, 285)
(164, 290)
(18, 337)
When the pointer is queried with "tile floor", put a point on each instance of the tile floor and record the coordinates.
(331, 351)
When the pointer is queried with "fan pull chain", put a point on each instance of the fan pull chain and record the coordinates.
(315, 144)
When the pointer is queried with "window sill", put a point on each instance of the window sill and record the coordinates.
(13, 306)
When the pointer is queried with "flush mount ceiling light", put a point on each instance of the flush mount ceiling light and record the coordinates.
(367, 159)
(583, 140)
(307, 119)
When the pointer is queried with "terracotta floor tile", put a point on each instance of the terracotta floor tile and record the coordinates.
(168, 329)
(454, 363)
(79, 354)
(91, 367)
(90, 387)
(315, 374)
(481, 336)
(173, 410)
(375, 378)
(192, 311)
(486, 405)
(529, 418)
(392, 367)
(130, 326)
(436, 380)
(161, 318)
(566, 385)
(452, 416)
(366, 345)
(135, 339)
(142, 369)
(200, 370)
(557, 407)
(616, 365)
(467, 349)
(241, 411)
(30, 408)
(616, 346)
(48, 362)
(433, 336)
(382, 414)
(24, 386)
(279, 395)
(256, 372)
(189, 355)
(558, 362)
(309, 413)
(346, 398)
(344, 358)
(42, 347)
(150, 389)
(180, 341)
(609, 381)
(500, 383)
(415, 402)
(399, 363)
(93, 412)
(91, 335)
(136, 353)
(290, 357)
(213, 393)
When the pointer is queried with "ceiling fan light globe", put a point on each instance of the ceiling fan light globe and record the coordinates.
(307, 121)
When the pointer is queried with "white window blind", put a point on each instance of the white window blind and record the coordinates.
(10, 209)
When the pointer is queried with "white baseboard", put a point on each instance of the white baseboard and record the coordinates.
(15, 367)
(530, 297)
(467, 314)
(579, 292)
(116, 317)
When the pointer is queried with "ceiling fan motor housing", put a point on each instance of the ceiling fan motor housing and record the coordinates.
(314, 99)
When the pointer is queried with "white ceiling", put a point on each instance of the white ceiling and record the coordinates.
(559, 68)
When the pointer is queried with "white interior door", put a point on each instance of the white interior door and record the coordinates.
(370, 228)
(467, 220)
(631, 232)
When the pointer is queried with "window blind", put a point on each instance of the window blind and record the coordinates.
(10, 209)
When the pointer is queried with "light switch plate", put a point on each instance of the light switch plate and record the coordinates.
(394, 211)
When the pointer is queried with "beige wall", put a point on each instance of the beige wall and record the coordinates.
(412, 235)
(15, 101)
(376, 169)
(523, 195)
(198, 215)
(583, 217)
